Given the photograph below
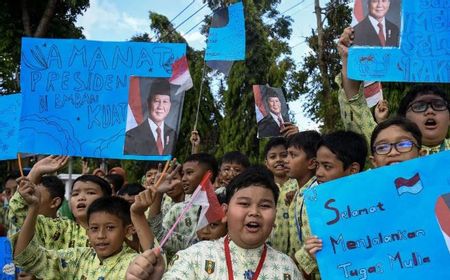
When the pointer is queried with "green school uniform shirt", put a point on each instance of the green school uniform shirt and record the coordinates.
(279, 238)
(52, 233)
(206, 260)
(357, 117)
(73, 263)
(297, 217)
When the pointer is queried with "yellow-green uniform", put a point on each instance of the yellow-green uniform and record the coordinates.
(357, 117)
(185, 233)
(4, 218)
(206, 260)
(72, 263)
(52, 233)
(307, 263)
(279, 238)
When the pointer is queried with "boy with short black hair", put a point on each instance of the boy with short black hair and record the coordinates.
(275, 154)
(250, 214)
(340, 154)
(109, 223)
(52, 191)
(194, 169)
(129, 191)
(60, 233)
(231, 165)
(301, 165)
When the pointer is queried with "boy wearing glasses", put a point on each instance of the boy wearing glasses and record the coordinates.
(392, 141)
(425, 105)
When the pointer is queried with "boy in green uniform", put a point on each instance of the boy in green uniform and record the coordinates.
(275, 153)
(109, 223)
(243, 253)
(60, 233)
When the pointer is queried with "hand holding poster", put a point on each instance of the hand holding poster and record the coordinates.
(10, 106)
(388, 223)
(75, 93)
(418, 54)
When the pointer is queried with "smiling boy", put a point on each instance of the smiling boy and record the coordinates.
(109, 223)
(243, 253)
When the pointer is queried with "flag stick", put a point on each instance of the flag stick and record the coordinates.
(185, 209)
(19, 161)
(200, 93)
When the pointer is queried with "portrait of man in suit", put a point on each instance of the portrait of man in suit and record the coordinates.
(375, 29)
(273, 122)
(153, 136)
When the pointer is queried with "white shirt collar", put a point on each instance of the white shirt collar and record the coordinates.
(375, 22)
(275, 117)
(153, 127)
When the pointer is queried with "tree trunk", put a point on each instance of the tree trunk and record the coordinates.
(326, 87)
(48, 14)
(25, 18)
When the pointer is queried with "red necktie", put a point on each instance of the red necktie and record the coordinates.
(159, 144)
(280, 120)
(381, 34)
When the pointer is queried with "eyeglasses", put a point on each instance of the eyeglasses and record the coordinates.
(403, 146)
(422, 106)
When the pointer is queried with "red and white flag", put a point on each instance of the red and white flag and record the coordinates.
(211, 211)
(373, 91)
(411, 185)
(181, 75)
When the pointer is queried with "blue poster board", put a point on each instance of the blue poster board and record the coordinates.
(7, 267)
(388, 223)
(226, 39)
(10, 106)
(75, 93)
(423, 54)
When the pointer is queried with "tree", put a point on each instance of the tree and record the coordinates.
(266, 62)
(41, 18)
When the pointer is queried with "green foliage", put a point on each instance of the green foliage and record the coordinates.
(322, 105)
(12, 28)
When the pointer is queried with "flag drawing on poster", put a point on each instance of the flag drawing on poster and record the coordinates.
(10, 107)
(271, 110)
(226, 38)
(154, 115)
(75, 93)
(379, 224)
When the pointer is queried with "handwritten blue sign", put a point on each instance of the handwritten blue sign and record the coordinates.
(423, 53)
(75, 93)
(7, 267)
(10, 106)
(226, 39)
(387, 223)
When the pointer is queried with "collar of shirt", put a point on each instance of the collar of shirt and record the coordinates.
(375, 22)
(275, 117)
(153, 127)
(245, 256)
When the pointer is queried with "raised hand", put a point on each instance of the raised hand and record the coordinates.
(149, 266)
(195, 141)
(166, 178)
(312, 245)
(345, 41)
(50, 164)
(29, 192)
(142, 201)
(381, 111)
(289, 129)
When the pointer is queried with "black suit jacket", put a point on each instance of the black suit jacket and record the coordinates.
(268, 127)
(365, 34)
(140, 141)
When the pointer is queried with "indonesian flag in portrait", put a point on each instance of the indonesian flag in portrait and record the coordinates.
(204, 196)
(412, 185)
(373, 91)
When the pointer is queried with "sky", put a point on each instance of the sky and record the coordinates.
(115, 20)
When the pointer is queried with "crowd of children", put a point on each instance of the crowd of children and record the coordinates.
(117, 226)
